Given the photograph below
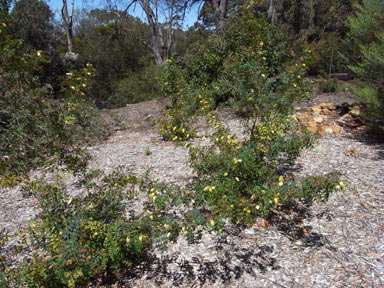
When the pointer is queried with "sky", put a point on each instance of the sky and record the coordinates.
(190, 17)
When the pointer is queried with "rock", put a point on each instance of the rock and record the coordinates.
(336, 128)
(355, 112)
(312, 127)
(345, 119)
(326, 130)
(316, 109)
(329, 106)
(318, 119)
(302, 117)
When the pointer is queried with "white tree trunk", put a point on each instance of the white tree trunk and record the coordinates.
(68, 21)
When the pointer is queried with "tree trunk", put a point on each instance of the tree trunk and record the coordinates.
(272, 17)
(219, 8)
(311, 16)
(68, 21)
(157, 39)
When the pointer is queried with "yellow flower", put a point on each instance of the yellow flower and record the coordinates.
(89, 65)
(84, 85)
(250, 99)
(212, 222)
(303, 65)
(235, 160)
(281, 180)
(237, 179)
(337, 187)
(252, 91)
(225, 174)
(38, 53)
(69, 74)
(263, 75)
(197, 134)
(174, 138)
(232, 206)
(264, 58)
(128, 240)
(9, 239)
(169, 234)
(95, 234)
(261, 43)
(298, 76)
(276, 200)
(342, 185)
(141, 238)
(294, 85)
(257, 207)
(152, 195)
(73, 87)
(3, 24)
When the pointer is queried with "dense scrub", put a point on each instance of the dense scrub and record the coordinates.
(76, 239)
(34, 122)
(366, 39)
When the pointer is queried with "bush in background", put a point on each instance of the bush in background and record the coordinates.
(35, 123)
(366, 37)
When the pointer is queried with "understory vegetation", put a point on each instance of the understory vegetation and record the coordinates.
(49, 113)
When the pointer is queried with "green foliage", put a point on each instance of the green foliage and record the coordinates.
(326, 55)
(327, 86)
(366, 37)
(31, 23)
(115, 47)
(33, 124)
(248, 67)
(77, 238)
(242, 180)
(137, 87)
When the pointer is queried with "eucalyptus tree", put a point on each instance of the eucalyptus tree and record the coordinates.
(67, 16)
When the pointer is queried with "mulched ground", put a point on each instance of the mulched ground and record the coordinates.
(334, 244)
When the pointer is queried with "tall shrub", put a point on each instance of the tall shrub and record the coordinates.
(366, 36)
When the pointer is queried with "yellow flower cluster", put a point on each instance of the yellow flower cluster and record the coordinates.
(209, 188)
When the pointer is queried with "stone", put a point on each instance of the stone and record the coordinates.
(345, 119)
(355, 112)
(316, 109)
(330, 106)
(318, 119)
(312, 127)
(336, 128)
(327, 130)
(302, 117)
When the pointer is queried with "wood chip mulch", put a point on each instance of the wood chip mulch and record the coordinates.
(339, 243)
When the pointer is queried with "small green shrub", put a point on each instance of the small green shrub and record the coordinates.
(328, 86)
(248, 67)
(78, 238)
